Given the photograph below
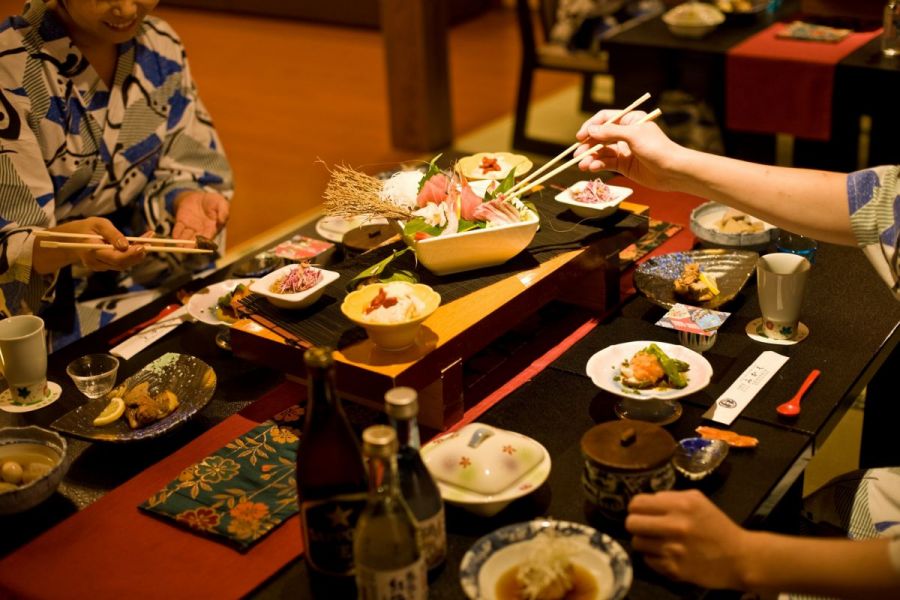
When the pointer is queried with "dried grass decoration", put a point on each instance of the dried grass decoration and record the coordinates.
(351, 193)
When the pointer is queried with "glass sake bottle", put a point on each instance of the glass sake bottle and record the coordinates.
(331, 482)
(419, 489)
(390, 564)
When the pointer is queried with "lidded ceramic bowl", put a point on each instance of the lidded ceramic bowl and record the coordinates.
(484, 468)
(625, 458)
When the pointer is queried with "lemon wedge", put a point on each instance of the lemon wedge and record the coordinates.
(112, 412)
(710, 283)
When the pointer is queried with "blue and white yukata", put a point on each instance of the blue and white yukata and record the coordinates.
(70, 147)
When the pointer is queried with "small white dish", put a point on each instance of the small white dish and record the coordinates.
(705, 224)
(488, 464)
(334, 228)
(498, 552)
(592, 211)
(202, 305)
(754, 329)
(295, 301)
(604, 369)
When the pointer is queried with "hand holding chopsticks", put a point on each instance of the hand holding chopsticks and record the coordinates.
(578, 158)
(95, 241)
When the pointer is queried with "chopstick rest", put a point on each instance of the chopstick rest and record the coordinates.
(739, 394)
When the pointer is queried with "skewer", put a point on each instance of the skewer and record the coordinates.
(148, 248)
(578, 158)
(572, 148)
(97, 236)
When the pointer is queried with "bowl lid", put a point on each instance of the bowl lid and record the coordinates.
(627, 445)
(482, 459)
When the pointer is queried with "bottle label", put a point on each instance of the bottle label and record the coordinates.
(328, 532)
(434, 539)
(408, 583)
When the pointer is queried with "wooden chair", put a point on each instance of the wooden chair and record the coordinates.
(544, 55)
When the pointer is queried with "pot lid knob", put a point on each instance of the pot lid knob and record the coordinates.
(628, 437)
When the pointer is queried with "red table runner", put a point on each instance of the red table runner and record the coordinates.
(777, 85)
(113, 550)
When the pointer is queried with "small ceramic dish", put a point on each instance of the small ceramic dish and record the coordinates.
(472, 166)
(499, 553)
(693, 19)
(202, 305)
(587, 210)
(706, 224)
(191, 380)
(697, 342)
(297, 300)
(731, 269)
(390, 336)
(697, 457)
(30, 445)
(604, 369)
(483, 469)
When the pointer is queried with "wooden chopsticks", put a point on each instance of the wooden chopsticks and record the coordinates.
(151, 244)
(521, 185)
(649, 117)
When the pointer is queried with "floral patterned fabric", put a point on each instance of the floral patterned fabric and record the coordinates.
(244, 490)
(657, 233)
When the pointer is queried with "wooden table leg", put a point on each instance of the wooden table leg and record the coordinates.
(415, 44)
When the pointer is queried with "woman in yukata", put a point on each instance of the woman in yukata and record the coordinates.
(101, 132)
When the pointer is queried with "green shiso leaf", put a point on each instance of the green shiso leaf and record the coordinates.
(505, 184)
(379, 271)
(432, 170)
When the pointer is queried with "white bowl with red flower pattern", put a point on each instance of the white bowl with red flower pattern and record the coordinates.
(483, 468)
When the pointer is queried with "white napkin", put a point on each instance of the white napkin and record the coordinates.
(150, 334)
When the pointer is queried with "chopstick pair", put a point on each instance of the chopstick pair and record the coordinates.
(527, 183)
(152, 244)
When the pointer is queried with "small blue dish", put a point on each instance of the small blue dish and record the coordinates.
(695, 457)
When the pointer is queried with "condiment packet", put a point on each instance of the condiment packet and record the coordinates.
(301, 247)
(693, 319)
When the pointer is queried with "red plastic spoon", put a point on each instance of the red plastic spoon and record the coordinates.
(791, 408)
(167, 310)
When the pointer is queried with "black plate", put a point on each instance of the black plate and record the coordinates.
(191, 379)
(731, 268)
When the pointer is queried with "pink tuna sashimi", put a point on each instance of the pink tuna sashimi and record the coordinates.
(469, 202)
(434, 191)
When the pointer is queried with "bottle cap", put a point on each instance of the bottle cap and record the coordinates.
(401, 402)
(379, 440)
(318, 357)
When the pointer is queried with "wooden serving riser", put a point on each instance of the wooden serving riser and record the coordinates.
(587, 277)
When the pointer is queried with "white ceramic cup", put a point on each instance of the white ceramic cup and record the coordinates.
(781, 280)
(23, 358)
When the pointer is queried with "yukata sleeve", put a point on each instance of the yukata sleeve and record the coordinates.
(26, 205)
(192, 157)
(874, 203)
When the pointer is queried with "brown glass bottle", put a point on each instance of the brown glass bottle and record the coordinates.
(331, 482)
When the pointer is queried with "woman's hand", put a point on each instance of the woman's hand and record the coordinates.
(641, 152)
(118, 258)
(683, 535)
(199, 213)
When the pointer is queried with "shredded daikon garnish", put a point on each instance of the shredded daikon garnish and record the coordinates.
(546, 574)
(402, 189)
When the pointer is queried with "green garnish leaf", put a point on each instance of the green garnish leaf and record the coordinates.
(430, 172)
(414, 226)
(377, 270)
(505, 184)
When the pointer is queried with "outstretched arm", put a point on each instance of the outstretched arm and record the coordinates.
(810, 202)
(685, 536)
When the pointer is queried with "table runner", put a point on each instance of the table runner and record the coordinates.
(560, 232)
(775, 85)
